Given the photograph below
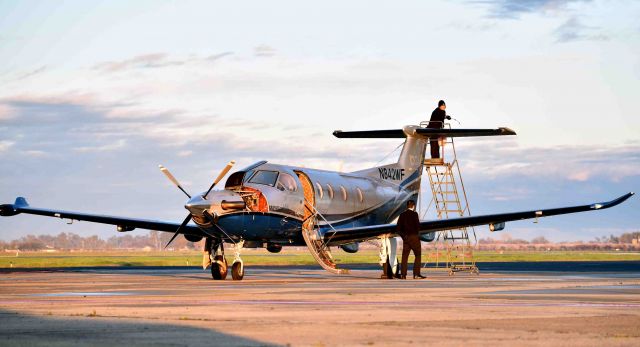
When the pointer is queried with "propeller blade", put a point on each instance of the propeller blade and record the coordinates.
(184, 223)
(220, 176)
(166, 172)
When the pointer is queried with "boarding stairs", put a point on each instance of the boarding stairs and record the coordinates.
(311, 232)
(317, 247)
(451, 249)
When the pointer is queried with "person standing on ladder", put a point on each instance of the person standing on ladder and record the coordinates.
(409, 228)
(437, 122)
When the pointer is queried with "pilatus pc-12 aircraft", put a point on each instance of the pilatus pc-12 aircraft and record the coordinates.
(271, 205)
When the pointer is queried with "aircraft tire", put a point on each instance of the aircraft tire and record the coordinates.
(389, 271)
(219, 272)
(237, 271)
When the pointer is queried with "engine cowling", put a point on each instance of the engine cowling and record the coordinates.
(124, 228)
(192, 238)
(274, 247)
(497, 226)
(428, 237)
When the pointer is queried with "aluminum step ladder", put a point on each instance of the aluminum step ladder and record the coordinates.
(452, 248)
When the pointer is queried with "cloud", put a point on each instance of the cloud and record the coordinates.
(5, 145)
(574, 163)
(513, 9)
(574, 30)
(32, 73)
(215, 57)
(264, 51)
(35, 153)
(153, 60)
(6, 111)
(112, 146)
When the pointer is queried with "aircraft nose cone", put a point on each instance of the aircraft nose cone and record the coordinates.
(196, 204)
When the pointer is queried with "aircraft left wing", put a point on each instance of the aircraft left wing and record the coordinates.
(357, 234)
(21, 206)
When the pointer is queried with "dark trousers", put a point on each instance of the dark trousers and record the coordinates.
(411, 243)
(435, 148)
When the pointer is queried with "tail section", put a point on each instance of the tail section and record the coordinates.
(407, 171)
(409, 166)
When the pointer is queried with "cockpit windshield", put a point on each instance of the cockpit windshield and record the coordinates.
(265, 177)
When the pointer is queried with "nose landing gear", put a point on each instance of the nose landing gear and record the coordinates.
(214, 252)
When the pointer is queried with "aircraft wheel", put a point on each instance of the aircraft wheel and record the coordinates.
(237, 271)
(219, 272)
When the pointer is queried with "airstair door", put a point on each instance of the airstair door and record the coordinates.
(319, 250)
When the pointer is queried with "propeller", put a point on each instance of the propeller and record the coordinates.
(167, 173)
(222, 173)
(186, 221)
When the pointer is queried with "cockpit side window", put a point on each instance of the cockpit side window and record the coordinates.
(248, 175)
(265, 177)
(287, 182)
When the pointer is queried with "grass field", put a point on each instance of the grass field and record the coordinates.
(262, 257)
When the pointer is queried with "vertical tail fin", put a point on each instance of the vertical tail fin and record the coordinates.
(408, 169)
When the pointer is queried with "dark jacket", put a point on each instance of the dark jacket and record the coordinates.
(437, 118)
(408, 224)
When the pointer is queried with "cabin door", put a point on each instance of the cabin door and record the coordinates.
(309, 200)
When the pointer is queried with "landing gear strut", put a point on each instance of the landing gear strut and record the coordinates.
(218, 261)
(237, 269)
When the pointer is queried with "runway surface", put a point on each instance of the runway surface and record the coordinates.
(307, 306)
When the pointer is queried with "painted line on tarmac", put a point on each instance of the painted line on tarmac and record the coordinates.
(438, 304)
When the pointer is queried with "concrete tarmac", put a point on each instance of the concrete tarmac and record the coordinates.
(307, 306)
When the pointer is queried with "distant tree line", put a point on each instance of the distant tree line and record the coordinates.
(626, 241)
(154, 240)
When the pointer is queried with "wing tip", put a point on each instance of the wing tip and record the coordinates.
(507, 131)
(7, 210)
(613, 202)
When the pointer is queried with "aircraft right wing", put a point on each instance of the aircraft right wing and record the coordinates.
(358, 234)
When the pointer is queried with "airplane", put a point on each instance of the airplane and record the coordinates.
(272, 206)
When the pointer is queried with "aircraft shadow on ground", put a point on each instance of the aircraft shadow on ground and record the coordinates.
(18, 329)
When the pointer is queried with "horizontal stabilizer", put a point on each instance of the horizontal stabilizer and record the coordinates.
(424, 132)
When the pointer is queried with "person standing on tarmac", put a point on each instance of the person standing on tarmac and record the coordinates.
(437, 122)
(409, 228)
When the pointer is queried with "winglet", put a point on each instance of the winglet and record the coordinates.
(618, 201)
(21, 202)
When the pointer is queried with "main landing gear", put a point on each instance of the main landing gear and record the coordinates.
(218, 261)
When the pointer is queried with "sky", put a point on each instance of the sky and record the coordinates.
(95, 94)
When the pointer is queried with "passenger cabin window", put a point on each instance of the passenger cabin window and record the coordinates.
(344, 193)
(360, 195)
(330, 190)
(319, 190)
(265, 177)
(287, 182)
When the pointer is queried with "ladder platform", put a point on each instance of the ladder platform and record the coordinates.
(434, 162)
